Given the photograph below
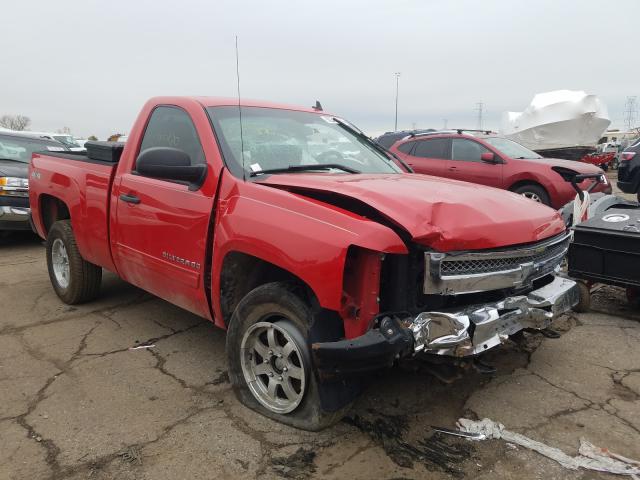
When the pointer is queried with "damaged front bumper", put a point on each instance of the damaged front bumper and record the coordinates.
(475, 329)
(461, 332)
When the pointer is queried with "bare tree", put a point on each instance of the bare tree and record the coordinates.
(64, 130)
(15, 122)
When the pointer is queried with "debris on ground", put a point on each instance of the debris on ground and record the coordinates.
(298, 465)
(590, 456)
(141, 346)
(131, 455)
(433, 451)
(459, 433)
(223, 377)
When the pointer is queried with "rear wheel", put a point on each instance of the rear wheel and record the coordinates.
(73, 278)
(270, 364)
(534, 192)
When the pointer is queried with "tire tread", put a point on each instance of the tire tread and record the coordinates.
(85, 277)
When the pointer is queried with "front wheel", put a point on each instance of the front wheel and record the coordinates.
(535, 193)
(73, 278)
(270, 365)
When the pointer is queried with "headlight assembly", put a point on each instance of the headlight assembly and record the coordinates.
(14, 187)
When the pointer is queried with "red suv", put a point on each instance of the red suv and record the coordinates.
(485, 158)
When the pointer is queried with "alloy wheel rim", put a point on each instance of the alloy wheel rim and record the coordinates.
(273, 365)
(60, 263)
(532, 196)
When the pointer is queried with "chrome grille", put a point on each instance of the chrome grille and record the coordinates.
(469, 272)
(487, 265)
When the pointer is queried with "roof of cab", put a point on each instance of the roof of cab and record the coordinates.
(231, 101)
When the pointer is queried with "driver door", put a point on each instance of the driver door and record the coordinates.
(467, 165)
(160, 238)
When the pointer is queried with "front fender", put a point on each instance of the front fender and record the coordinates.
(307, 238)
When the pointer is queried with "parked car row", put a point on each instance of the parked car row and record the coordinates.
(322, 256)
(15, 154)
(69, 142)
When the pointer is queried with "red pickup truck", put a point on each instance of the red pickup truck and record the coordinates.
(292, 230)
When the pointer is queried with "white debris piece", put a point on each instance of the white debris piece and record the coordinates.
(590, 457)
(140, 347)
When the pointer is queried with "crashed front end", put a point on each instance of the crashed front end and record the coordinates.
(456, 304)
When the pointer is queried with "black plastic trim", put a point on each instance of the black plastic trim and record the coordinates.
(376, 349)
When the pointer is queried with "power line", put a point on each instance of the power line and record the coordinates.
(630, 112)
(479, 108)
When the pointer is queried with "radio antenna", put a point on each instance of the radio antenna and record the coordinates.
(244, 172)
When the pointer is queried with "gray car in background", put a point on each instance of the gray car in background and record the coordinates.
(15, 155)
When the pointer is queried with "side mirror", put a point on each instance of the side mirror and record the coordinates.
(488, 157)
(170, 164)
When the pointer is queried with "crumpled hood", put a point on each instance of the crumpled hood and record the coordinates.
(444, 214)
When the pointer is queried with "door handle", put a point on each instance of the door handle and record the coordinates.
(453, 168)
(129, 198)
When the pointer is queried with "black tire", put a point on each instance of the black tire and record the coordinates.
(277, 300)
(84, 277)
(584, 304)
(532, 189)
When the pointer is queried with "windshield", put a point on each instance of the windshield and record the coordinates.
(67, 140)
(279, 139)
(21, 148)
(511, 148)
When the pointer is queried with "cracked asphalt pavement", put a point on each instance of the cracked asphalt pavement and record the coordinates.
(77, 403)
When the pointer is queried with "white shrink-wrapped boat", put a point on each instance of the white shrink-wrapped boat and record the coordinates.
(561, 123)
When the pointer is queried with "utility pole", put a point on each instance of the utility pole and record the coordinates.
(445, 121)
(630, 112)
(395, 128)
(479, 108)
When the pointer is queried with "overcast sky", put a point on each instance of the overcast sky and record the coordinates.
(91, 64)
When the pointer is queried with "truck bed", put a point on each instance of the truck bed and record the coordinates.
(83, 184)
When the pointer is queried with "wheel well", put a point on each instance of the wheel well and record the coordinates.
(241, 273)
(522, 183)
(52, 209)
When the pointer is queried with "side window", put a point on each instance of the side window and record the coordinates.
(172, 127)
(467, 150)
(434, 148)
(406, 147)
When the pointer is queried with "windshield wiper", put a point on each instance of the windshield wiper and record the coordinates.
(306, 168)
(371, 143)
